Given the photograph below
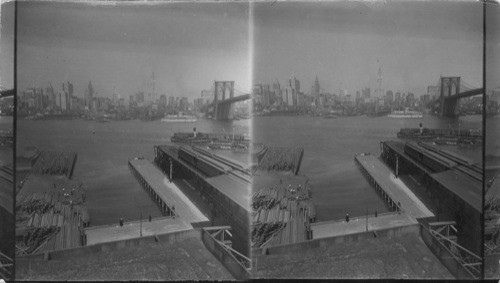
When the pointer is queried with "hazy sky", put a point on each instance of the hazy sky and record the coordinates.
(7, 46)
(187, 45)
(492, 46)
(344, 44)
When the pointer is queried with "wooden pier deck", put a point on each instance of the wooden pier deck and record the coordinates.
(359, 224)
(131, 230)
(394, 191)
(169, 196)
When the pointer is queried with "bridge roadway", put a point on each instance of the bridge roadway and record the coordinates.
(466, 93)
(167, 193)
(234, 99)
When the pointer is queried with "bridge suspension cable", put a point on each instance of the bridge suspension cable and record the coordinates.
(465, 86)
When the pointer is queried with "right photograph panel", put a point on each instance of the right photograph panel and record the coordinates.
(367, 122)
(492, 149)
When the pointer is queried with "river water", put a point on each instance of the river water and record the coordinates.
(330, 144)
(103, 152)
(329, 147)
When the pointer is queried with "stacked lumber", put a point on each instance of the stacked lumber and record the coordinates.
(280, 159)
(281, 215)
(52, 221)
(34, 239)
(54, 163)
(492, 224)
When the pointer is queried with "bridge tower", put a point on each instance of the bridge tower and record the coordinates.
(221, 88)
(449, 86)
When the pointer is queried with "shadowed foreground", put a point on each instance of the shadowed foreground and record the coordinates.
(399, 257)
(182, 260)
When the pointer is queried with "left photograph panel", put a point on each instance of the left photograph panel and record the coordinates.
(133, 149)
(7, 94)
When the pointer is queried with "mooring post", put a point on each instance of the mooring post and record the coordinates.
(367, 219)
(141, 225)
(170, 167)
(397, 166)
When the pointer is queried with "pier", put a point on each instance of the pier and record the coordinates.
(450, 182)
(134, 229)
(221, 182)
(397, 196)
(361, 224)
(170, 199)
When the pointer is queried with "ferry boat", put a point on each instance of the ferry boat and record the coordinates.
(179, 118)
(406, 114)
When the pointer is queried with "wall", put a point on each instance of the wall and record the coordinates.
(111, 246)
(323, 242)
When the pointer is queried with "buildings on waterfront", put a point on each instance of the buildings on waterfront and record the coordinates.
(273, 97)
(64, 101)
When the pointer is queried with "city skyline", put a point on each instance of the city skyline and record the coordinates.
(118, 47)
(307, 85)
(346, 43)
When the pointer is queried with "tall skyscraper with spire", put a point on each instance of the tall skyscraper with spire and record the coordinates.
(89, 96)
(316, 88)
(152, 85)
(379, 80)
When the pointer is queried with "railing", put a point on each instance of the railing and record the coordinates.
(216, 239)
(6, 267)
(445, 233)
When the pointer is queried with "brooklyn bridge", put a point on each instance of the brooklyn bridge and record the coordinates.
(224, 99)
(451, 90)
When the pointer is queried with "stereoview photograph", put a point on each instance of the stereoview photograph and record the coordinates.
(206, 140)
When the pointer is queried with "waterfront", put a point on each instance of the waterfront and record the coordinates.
(329, 147)
(103, 151)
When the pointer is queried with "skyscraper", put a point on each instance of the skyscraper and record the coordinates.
(89, 96)
(379, 81)
(316, 87)
(294, 83)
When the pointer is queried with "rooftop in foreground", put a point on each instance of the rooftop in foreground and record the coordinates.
(399, 257)
(182, 260)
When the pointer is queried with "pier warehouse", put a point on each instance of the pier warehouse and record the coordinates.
(452, 183)
(222, 182)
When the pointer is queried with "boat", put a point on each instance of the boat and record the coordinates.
(179, 118)
(406, 114)
(330, 116)
(102, 120)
